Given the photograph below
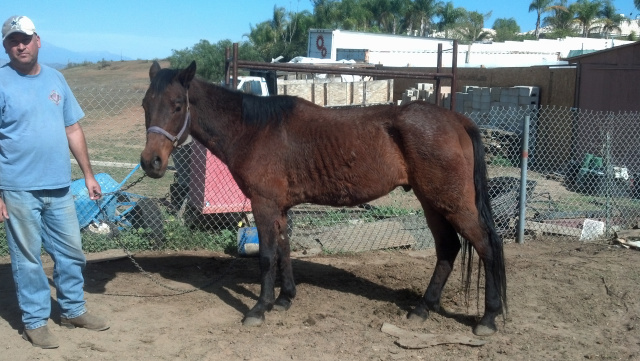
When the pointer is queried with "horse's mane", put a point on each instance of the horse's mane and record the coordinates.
(262, 111)
(257, 111)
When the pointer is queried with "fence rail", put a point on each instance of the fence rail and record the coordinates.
(582, 182)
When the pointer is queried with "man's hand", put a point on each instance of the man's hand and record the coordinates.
(95, 192)
(4, 214)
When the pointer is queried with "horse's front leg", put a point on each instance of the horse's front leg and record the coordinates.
(268, 234)
(288, 288)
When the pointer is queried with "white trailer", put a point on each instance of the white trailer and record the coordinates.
(327, 44)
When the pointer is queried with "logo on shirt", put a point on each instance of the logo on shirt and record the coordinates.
(55, 97)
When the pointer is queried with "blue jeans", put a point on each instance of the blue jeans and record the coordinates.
(45, 218)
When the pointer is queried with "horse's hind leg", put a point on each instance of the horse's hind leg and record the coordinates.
(488, 246)
(447, 246)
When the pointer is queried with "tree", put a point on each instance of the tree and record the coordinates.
(540, 7)
(399, 9)
(422, 13)
(280, 36)
(355, 16)
(562, 22)
(506, 29)
(471, 28)
(610, 18)
(326, 13)
(586, 13)
(210, 58)
(381, 14)
(449, 17)
(637, 4)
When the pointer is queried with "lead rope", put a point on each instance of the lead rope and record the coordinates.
(178, 291)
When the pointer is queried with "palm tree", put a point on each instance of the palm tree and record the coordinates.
(422, 12)
(399, 10)
(355, 16)
(281, 35)
(637, 4)
(327, 13)
(381, 13)
(471, 27)
(540, 7)
(586, 14)
(610, 18)
(449, 17)
(562, 21)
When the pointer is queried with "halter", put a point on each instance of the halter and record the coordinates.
(176, 138)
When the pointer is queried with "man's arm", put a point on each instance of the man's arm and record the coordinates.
(78, 147)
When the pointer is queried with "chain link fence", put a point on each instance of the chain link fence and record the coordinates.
(582, 183)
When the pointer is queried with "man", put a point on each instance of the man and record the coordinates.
(38, 126)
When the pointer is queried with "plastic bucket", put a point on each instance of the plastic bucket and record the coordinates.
(248, 243)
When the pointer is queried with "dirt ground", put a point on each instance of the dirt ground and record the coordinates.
(567, 301)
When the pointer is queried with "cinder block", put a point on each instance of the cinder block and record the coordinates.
(514, 92)
(528, 100)
(528, 90)
(511, 99)
(495, 94)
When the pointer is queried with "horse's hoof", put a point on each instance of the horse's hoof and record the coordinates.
(251, 321)
(418, 315)
(282, 305)
(482, 330)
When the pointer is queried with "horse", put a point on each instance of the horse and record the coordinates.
(283, 151)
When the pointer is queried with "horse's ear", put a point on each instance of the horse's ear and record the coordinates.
(186, 75)
(155, 67)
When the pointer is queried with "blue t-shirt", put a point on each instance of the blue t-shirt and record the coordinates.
(34, 111)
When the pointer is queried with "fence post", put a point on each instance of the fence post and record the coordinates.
(523, 178)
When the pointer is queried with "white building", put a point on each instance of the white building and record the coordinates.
(409, 51)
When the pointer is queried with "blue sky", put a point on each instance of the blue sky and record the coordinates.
(152, 29)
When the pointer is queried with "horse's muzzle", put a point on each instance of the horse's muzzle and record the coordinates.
(153, 166)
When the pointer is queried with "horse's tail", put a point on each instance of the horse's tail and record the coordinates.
(483, 204)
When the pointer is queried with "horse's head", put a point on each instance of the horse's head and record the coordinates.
(166, 114)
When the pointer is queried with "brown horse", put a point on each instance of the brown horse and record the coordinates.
(283, 151)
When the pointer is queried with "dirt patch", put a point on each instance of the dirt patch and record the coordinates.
(567, 301)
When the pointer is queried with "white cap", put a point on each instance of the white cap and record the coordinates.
(18, 24)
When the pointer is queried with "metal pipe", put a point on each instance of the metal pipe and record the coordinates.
(524, 160)
(235, 66)
(454, 76)
(438, 70)
(227, 67)
(332, 69)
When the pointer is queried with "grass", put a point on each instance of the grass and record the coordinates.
(177, 237)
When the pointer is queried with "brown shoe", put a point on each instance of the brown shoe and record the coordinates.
(86, 320)
(40, 337)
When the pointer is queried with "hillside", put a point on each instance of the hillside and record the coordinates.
(111, 74)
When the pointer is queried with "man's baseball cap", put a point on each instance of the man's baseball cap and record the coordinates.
(17, 24)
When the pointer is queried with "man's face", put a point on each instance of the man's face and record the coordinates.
(22, 49)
